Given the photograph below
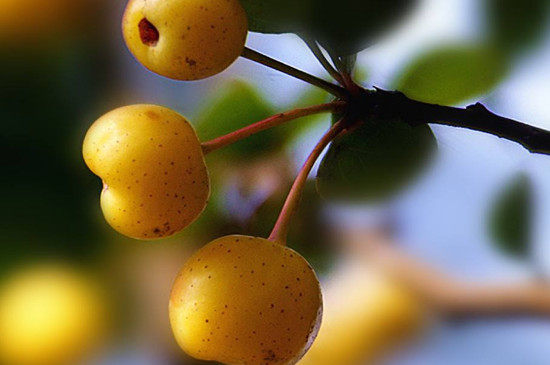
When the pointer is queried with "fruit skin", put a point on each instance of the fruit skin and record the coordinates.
(246, 300)
(153, 169)
(196, 38)
(366, 314)
(50, 314)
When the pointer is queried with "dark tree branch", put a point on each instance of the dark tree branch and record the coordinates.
(477, 117)
(291, 71)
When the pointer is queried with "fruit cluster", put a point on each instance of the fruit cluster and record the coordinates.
(239, 299)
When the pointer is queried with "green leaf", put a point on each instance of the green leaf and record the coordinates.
(516, 25)
(276, 16)
(453, 74)
(511, 217)
(348, 26)
(237, 105)
(374, 161)
(344, 27)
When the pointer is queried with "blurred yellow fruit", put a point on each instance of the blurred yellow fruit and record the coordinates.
(153, 169)
(185, 39)
(246, 300)
(24, 20)
(365, 314)
(49, 315)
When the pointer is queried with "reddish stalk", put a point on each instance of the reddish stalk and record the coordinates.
(268, 123)
(279, 233)
(350, 85)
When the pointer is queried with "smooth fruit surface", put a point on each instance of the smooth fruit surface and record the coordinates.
(245, 300)
(185, 39)
(49, 315)
(153, 170)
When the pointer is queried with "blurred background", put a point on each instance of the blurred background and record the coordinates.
(63, 64)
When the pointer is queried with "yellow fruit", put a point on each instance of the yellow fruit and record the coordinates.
(49, 315)
(185, 39)
(365, 314)
(28, 20)
(246, 300)
(153, 170)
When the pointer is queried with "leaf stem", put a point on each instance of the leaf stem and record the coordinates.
(279, 233)
(291, 71)
(268, 123)
(318, 53)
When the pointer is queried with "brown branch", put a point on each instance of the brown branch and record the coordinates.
(477, 117)
(459, 298)
(443, 292)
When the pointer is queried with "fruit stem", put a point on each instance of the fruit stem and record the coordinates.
(318, 53)
(347, 79)
(291, 71)
(279, 233)
(270, 122)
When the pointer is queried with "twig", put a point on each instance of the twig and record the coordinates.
(447, 294)
(291, 71)
(476, 117)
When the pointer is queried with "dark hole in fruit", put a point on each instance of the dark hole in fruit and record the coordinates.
(148, 32)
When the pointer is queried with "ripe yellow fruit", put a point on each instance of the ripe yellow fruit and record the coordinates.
(49, 315)
(153, 170)
(366, 314)
(185, 39)
(246, 300)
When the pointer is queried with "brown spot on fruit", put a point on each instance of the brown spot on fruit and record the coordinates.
(148, 33)
(152, 115)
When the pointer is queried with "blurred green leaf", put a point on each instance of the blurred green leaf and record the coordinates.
(276, 16)
(516, 25)
(374, 161)
(345, 27)
(453, 74)
(348, 26)
(237, 105)
(511, 217)
(361, 75)
(312, 96)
